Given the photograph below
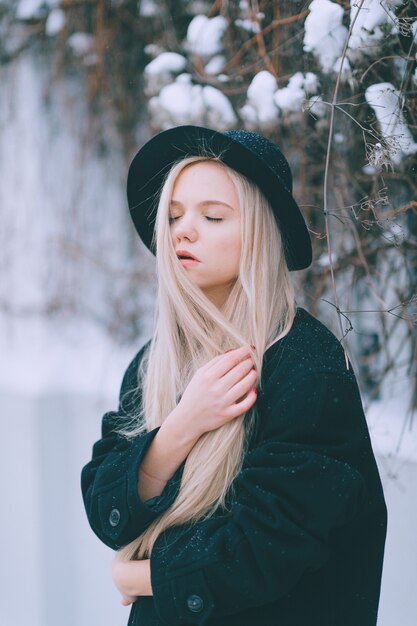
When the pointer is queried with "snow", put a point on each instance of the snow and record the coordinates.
(393, 232)
(369, 170)
(81, 43)
(153, 49)
(324, 33)
(367, 30)
(219, 111)
(316, 107)
(291, 97)
(204, 34)
(177, 103)
(324, 259)
(385, 100)
(260, 110)
(148, 8)
(311, 83)
(34, 9)
(215, 64)
(160, 71)
(249, 19)
(182, 102)
(29, 9)
(166, 63)
(346, 73)
(55, 22)
(265, 102)
(393, 435)
(249, 25)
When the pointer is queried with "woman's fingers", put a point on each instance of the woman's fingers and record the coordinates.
(225, 362)
(242, 387)
(237, 373)
(239, 408)
(210, 397)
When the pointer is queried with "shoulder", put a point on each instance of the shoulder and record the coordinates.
(308, 393)
(310, 347)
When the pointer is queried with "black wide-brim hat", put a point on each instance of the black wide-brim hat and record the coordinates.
(247, 152)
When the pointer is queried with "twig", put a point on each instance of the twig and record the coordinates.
(326, 174)
(247, 44)
(402, 209)
(389, 56)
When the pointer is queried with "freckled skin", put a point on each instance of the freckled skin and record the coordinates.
(216, 244)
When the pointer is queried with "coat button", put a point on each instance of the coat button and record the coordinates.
(114, 517)
(195, 603)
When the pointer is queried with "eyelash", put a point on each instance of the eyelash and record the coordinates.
(211, 219)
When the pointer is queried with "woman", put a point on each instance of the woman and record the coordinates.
(227, 506)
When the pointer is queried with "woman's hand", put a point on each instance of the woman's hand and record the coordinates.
(210, 399)
(132, 578)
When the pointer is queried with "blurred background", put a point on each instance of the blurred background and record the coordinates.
(83, 84)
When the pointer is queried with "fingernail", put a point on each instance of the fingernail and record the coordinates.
(230, 349)
(254, 347)
(255, 390)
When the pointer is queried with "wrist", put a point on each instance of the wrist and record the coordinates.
(179, 426)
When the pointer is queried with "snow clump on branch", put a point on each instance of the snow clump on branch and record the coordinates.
(81, 44)
(265, 102)
(30, 9)
(290, 99)
(260, 110)
(178, 100)
(182, 102)
(55, 22)
(367, 29)
(148, 8)
(324, 33)
(160, 71)
(215, 65)
(204, 35)
(385, 101)
(27, 10)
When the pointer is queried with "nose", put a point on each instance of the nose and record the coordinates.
(184, 228)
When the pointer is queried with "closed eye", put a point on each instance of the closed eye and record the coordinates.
(211, 219)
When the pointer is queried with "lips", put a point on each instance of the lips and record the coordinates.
(184, 254)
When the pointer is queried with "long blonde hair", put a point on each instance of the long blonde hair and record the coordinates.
(190, 330)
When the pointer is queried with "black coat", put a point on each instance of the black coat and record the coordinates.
(304, 542)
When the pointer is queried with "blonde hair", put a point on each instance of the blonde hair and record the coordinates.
(190, 330)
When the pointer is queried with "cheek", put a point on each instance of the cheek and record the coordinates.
(227, 253)
(233, 247)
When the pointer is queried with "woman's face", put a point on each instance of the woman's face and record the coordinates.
(205, 221)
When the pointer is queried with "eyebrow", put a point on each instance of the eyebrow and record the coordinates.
(206, 203)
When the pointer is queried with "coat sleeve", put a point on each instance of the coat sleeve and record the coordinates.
(109, 481)
(295, 487)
